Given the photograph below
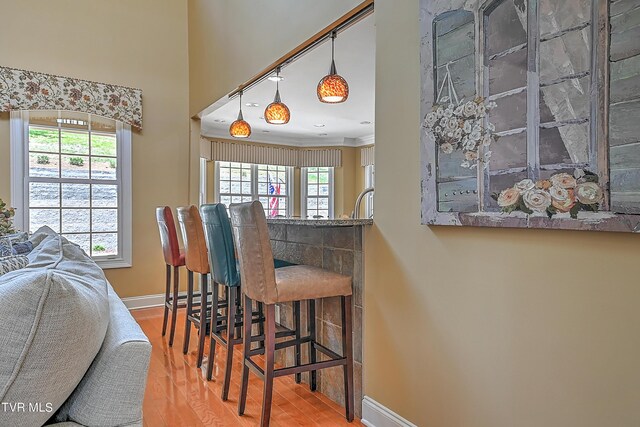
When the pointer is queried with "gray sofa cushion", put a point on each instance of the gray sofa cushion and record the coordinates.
(112, 391)
(53, 319)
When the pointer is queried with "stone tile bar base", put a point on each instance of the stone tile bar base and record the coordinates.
(335, 248)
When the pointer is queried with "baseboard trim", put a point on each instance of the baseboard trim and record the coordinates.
(376, 415)
(145, 301)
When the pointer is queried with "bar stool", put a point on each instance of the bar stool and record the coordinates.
(222, 259)
(197, 261)
(173, 258)
(263, 283)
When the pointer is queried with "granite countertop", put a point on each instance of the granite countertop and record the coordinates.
(337, 222)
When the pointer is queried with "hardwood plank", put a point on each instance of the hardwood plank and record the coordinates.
(177, 393)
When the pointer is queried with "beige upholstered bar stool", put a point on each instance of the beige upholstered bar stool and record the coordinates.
(261, 282)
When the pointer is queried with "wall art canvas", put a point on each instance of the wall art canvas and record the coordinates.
(531, 113)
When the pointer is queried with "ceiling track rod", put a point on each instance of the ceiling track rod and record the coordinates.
(352, 17)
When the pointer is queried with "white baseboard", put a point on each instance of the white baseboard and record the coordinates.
(377, 415)
(145, 301)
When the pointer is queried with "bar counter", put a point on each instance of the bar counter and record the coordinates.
(336, 245)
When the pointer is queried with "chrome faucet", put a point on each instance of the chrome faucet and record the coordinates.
(356, 211)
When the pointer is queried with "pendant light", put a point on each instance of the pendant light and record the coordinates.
(277, 113)
(333, 88)
(240, 128)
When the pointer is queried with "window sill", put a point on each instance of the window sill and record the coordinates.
(108, 264)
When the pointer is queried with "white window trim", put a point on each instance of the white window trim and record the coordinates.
(19, 147)
(369, 181)
(254, 185)
(303, 192)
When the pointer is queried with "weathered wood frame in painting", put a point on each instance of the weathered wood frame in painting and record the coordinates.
(604, 140)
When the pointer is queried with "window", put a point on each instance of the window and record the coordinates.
(538, 55)
(317, 188)
(72, 172)
(244, 182)
(369, 181)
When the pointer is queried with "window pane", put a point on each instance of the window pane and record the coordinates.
(566, 144)
(235, 174)
(246, 188)
(44, 165)
(104, 196)
(41, 217)
(510, 113)
(235, 187)
(42, 139)
(507, 26)
(75, 195)
(312, 190)
(104, 220)
(225, 186)
(74, 142)
(323, 214)
(509, 152)
(225, 173)
(312, 203)
(262, 176)
(312, 177)
(508, 72)
(565, 101)
(44, 195)
(225, 200)
(103, 145)
(104, 244)
(324, 189)
(323, 203)
(560, 15)
(75, 167)
(82, 240)
(566, 55)
(75, 221)
(103, 168)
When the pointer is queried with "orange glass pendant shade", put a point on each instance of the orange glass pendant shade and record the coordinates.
(277, 113)
(333, 88)
(240, 128)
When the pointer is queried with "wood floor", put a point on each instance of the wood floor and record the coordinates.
(179, 395)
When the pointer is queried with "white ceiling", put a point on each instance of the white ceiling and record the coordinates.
(355, 61)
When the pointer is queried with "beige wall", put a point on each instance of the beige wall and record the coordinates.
(486, 327)
(140, 43)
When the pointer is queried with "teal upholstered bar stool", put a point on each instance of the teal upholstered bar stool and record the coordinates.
(223, 266)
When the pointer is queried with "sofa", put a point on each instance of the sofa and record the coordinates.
(70, 352)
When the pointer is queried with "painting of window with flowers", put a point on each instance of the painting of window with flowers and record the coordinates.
(530, 113)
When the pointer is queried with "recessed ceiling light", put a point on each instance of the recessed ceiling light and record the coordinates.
(252, 104)
(322, 134)
(266, 131)
(366, 122)
(319, 125)
(219, 120)
(261, 117)
(276, 78)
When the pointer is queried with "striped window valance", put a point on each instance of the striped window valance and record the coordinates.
(265, 155)
(366, 156)
(29, 90)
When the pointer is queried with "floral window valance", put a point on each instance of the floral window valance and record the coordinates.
(29, 90)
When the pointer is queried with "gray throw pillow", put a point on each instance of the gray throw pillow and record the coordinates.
(53, 319)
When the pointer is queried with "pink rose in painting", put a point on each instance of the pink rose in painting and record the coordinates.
(508, 197)
(563, 180)
(537, 200)
(565, 202)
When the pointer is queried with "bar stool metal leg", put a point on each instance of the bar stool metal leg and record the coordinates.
(174, 305)
(242, 400)
(312, 350)
(187, 328)
(270, 348)
(296, 320)
(167, 300)
(214, 327)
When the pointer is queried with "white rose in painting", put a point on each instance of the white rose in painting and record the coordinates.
(446, 148)
(458, 110)
(524, 185)
(481, 110)
(430, 120)
(438, 130)
(470, 145)
(588, 193)
(448, 112)
(563, 180)
(537, 200)
(453, 124)
(475, 135)
(439, 112)
(469, 109)
(467, 127)
(491, 127)
(450, 135)
(458, 134)
(558, 193)
(487, 140)
(508, 197)
(491, 105)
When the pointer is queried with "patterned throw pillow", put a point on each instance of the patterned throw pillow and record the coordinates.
(12, 263)
(5, 247)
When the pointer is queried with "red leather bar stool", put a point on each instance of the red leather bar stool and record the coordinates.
(263, 283)
(197, 261)
(173, 258)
